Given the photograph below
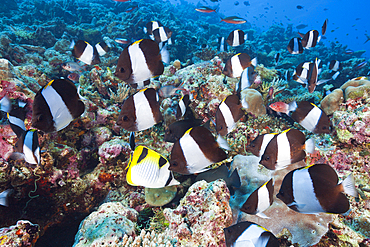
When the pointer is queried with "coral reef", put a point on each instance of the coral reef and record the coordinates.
(204, 211)
(304, 229)
(108, 226)
(24, 233)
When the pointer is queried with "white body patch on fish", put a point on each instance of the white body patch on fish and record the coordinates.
(304, 192)
(283, 152)
(236, 66)
(266, 140)
(251, 236)
(236, 38)
(228, 117)
(16, 121)
(59, 110)
(145, 173)
(162, 34)
(296, 47)
(311, 119)
(87, 55)
(263, 199)
(27, 149)
(143, 112)
(182, 107)
(193, 154)
(140, 70)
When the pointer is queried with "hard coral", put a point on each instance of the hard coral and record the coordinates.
(106, 226)
(201, 216)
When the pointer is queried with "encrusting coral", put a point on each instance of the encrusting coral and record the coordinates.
(204, 211)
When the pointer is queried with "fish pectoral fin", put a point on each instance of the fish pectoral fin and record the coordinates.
(296, 204)
(262, 215)
(17, 156)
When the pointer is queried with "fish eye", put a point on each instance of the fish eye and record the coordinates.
(122, 70)
(125, 118)
(324, 127)
(253, 145)
(267, 158)
(174, 164)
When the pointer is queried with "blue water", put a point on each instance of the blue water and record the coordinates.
(348, 20)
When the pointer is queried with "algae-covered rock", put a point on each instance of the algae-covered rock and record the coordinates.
(24, 233)
(332, 101)
(106, 226)
(255, 102)
(160, 196)
(356, 88)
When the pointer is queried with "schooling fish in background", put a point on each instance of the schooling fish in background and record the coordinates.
(227, 114)
(161, 34)
(236, 38)
(151, 26)
(149, 169)
(246, 233)
(334, 65)
(360, 65)
(27, 148)
(140, 111)
(89, 54)
(56, 105)
(222, 45)
(74, 77)
(324, 27)
(315, 189)
(139, 62)
(258, 145)
(131, 8)
(122, 41)
(205, 9)
(194, 151)
(16, 115)
(232, 179)
(260, 200)
(286, 148)
(182, 106)
(277, 58)
(307, 73)
(295, 46)
(301, 26)
(235, 65)
(72, 66)
(310, 39)
(247, 78)
(4, 197)
(234, 20)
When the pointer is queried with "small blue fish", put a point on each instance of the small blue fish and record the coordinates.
(360, 65)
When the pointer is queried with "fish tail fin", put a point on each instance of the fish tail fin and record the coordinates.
(318, 39)
(262, 215)
(132, 141)
(254, 62)
(335, 75)
(246, 36)
(322, 81)
(222, 142)
(235, 179)
(145, 30)
(245, 103)
(5, 104)
(17, 156)
(349, 186)
(165, 54)
(310, 146)
(4, 197)
(292, 106)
